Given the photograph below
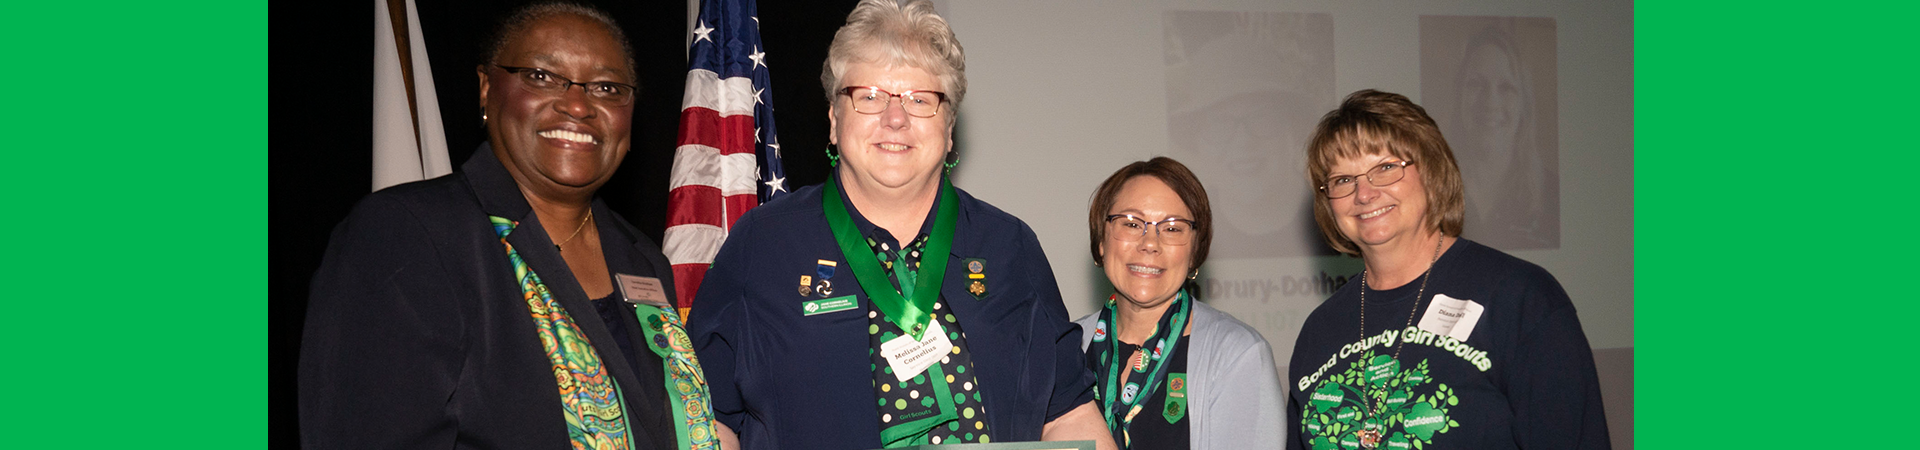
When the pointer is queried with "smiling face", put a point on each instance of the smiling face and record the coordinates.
(1145, 273)
(566, 145)
(1375, 216)
(889, 150)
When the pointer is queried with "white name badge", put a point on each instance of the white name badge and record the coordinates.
(639, 289)
(1451, 317)
(909, 357)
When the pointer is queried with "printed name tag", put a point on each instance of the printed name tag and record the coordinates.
(639, 289)
(1452, 317)
(908, 357)
(827, 305)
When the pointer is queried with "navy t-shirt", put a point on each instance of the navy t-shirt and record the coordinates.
(1523, 377)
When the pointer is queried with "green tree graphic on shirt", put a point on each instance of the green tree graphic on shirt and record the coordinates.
(1409, 408)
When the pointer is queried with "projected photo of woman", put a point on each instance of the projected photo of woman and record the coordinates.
(1497, 104)
(1243, 91)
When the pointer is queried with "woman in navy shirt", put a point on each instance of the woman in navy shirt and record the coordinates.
(887, 308)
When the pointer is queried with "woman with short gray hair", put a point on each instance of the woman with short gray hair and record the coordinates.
(887, 308)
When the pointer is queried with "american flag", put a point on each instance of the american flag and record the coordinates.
(728, 159)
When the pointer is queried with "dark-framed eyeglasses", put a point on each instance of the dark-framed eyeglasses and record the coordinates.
(1131, 228)
(873, 100)
(1380, 176)
(542, 81)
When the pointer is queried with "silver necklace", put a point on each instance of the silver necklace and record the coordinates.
(1370, 437)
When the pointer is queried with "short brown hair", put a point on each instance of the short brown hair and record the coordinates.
(1370, 122)
(1176, 176)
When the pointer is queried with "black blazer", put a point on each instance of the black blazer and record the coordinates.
(417, 334)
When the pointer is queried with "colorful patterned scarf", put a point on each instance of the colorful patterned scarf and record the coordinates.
(589, 397)
(693, 418)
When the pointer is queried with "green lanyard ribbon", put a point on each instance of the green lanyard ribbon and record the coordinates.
(912, 310)
(686, 385)
(1167, 332)
(910, 307)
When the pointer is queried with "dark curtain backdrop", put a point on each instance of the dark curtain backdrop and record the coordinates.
(322, 125)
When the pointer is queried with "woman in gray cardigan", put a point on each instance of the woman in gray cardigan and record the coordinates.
(1173, 373)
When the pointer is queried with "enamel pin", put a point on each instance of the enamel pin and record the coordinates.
(976, 277)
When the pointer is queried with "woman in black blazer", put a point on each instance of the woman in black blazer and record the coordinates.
(503, 306)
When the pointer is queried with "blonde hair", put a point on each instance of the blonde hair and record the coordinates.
(898, 33)
(1370, 122)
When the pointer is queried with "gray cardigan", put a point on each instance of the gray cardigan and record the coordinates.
(1234, 386)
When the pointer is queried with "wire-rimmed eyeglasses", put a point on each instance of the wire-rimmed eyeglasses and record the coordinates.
(1382, 175)
(542, 81)
(873, 100)
(1130, 228)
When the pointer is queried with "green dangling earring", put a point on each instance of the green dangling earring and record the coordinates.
(833, 159)
(952, 159)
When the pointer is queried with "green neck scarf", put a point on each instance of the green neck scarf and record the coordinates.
(1121, 397)
(589, 398)
(686, 385)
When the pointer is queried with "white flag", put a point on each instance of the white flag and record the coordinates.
(409, 144)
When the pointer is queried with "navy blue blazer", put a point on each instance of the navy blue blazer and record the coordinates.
(781, 378)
